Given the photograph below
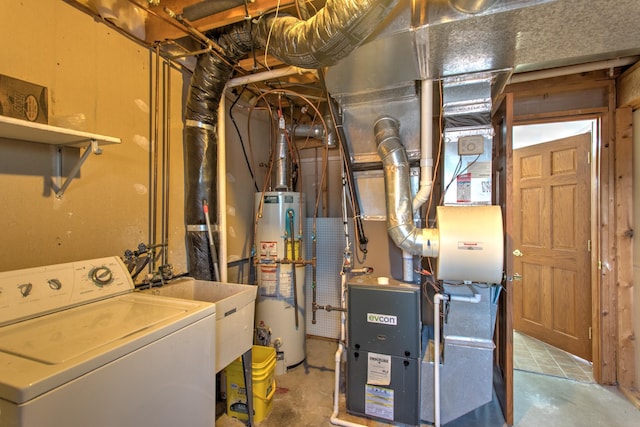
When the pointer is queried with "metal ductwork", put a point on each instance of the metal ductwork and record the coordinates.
(317, 42)
(209, 7)
(400, 225)
(472, 6)
(466, 102)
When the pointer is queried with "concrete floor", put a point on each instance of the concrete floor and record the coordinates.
(304, 397)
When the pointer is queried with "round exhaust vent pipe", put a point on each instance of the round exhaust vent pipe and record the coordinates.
(472, 6)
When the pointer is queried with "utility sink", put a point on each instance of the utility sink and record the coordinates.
(235, 308)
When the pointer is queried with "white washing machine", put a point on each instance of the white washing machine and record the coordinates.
(79, 348)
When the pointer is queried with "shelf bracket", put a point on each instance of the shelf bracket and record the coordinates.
(93, 147)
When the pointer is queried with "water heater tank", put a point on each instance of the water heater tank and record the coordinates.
(281, 298)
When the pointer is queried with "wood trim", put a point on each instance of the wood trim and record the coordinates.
(568, 83)
(624, 243)
(604, 292)
(503, 369)
(632, 394)
(629, 87)
(605, 323)
(553, 117)
(509, 265)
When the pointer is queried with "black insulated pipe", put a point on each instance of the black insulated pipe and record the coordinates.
(201, 146)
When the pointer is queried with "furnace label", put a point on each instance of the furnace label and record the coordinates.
(378, 402)
(383, 319)
(379, 369)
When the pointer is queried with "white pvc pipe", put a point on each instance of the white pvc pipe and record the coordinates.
(266, 75)
(222, 187)
(436, 345)
(407, 266)
(426, 147)
(572, 69)
(475, 299)
(426, 164)
(336, 392)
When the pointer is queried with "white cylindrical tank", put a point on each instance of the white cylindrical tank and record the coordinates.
(471, 243)
(280, 303)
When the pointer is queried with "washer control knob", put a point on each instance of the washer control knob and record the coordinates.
(25, 289)
(55, 284)
(101, 276)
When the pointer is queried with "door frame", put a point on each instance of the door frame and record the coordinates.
(597, 157)
(502, 168)
(601, 201)
(586, 95)
(569, 95)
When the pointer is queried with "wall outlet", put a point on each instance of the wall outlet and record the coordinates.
(470, 145)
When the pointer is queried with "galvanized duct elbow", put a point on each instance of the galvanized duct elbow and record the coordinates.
(400, 225)
(325, 38)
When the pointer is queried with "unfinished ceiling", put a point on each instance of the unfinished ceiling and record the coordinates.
(431, 39)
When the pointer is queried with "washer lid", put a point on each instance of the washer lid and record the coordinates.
(73, 333)
(40, 354)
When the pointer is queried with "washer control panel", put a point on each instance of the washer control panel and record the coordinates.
(36, 291)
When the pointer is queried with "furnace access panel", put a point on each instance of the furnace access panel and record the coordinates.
(383, 352)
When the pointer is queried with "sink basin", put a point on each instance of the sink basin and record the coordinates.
(235, 308)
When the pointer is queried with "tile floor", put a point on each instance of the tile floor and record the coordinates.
(532, 355)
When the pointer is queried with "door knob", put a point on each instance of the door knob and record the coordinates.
(517, 276)
(517, 252)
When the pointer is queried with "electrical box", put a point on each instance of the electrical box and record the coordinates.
(470, 145)
(383, 351)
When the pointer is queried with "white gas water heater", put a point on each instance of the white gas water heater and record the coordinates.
(280, 313)
(279, 260)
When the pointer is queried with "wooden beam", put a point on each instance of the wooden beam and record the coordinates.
(160, 27)
(629, 87)
(604, 322)
(624, 244)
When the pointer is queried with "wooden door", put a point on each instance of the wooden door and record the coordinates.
(551, 232)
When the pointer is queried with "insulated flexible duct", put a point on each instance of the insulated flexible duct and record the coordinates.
(322, 40)
(325, 38)
(400, 225)
(200, 136)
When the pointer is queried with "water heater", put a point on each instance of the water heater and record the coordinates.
(281, 298)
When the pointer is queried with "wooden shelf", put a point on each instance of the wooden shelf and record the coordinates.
(24, 130)
(38, 132)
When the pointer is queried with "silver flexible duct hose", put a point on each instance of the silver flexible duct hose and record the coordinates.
(395, 162)
(322, 40)
(325, 38)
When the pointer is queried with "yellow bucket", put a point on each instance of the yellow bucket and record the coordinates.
(263, 363)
